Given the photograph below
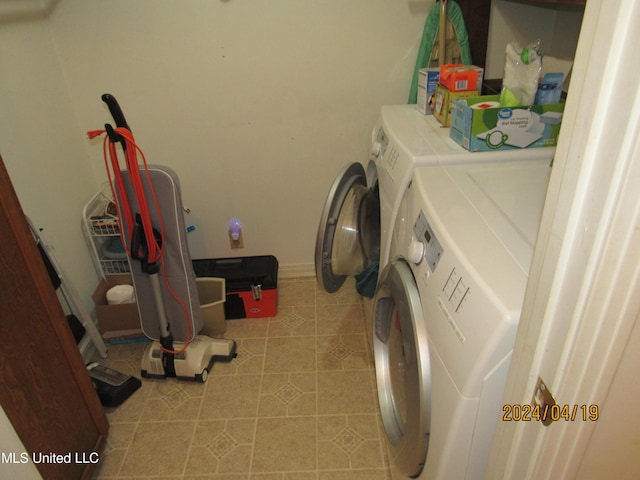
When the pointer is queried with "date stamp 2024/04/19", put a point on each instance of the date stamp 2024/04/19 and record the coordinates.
(570, 413)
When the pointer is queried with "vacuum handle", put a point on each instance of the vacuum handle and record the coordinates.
(116, 111)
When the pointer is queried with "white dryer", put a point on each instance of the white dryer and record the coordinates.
(447, 310)
(359, 212)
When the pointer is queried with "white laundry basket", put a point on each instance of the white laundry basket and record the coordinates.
(211, 293)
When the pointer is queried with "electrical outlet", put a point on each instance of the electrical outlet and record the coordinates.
(236, 239)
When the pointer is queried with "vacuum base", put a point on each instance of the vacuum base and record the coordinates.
(194, 363)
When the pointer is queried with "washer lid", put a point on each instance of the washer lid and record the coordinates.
(415, 139)
(348, 237)
(510, 197)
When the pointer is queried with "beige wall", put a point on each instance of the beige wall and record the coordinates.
(256, 105)
(41, 141)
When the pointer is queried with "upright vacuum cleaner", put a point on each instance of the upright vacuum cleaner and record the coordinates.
(153, 233)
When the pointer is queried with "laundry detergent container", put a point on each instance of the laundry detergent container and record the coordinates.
(251, 284)
(211, 293)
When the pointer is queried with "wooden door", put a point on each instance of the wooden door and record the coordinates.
(44, 386)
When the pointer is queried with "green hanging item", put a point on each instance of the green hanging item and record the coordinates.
(456, 41)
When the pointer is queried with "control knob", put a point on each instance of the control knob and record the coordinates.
(415, 251)
(376, 148)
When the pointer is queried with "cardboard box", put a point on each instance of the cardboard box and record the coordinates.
(459, 78)
(443, 101)
(481, 124)
(427, 82)
(116, 321)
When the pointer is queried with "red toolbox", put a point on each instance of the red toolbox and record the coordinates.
(251, 284)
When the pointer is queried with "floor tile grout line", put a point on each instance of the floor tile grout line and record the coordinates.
(195, 427)
(193, 433)
(257, 413)
(129, 445)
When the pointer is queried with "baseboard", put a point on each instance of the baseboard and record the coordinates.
(296, 270)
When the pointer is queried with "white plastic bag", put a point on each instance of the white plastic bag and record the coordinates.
(522, 70)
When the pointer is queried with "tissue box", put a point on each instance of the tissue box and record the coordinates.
(427, 82)
(443, 101)
(116, 321)
(480, 124)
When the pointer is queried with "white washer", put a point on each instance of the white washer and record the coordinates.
(447, 310)
(357, 219)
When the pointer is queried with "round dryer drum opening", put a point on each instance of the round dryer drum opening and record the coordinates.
(348, 239)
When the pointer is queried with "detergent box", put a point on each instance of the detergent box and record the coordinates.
(479, 123)
(443, 100)
(457, 77)
(427, 82)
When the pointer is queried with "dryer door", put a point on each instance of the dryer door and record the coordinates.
(348, 238)
(403, 368)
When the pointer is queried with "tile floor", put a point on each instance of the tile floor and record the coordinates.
(298, 402)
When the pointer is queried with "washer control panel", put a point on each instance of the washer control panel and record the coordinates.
(432, 251)
(379, 143)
